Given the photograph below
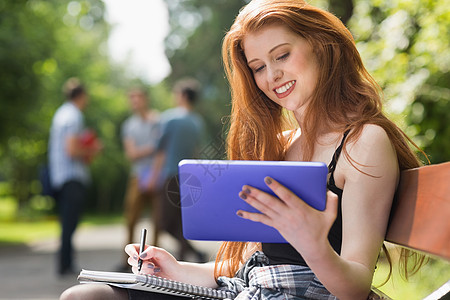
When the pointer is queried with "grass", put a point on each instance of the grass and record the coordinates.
(21, 232)
(38, 225)
(429, 278)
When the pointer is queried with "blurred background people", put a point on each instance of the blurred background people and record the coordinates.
(140, 134)
(71, 149)
(181, 136)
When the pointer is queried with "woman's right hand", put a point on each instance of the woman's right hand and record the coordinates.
(155, 261)
(159, 262)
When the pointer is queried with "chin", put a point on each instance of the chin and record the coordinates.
(290, 107)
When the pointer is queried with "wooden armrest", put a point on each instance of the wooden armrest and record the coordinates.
(420, 216)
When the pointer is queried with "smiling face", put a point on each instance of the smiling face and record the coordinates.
(283, 65)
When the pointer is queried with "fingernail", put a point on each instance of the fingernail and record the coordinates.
(239, 214)
(135, 257)
(242, 195)
(143, 255)
(150, 266)
(267, 180)
(247, 191)
(156, 270)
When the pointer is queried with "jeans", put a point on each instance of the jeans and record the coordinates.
(70, 199)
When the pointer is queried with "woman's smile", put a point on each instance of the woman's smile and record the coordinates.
(285, 89)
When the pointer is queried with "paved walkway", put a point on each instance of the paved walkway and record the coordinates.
(28, 272)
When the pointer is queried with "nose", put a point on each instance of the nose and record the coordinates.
(275, 74)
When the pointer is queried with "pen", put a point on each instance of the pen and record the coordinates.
(142, 248)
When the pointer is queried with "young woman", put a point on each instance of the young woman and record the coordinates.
(299, 92)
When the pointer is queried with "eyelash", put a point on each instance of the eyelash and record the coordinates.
(284, 56)
(280, 58)
(258, 69)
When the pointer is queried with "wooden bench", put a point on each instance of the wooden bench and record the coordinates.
(420, 217)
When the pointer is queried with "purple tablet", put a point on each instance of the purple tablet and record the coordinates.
(209, 191)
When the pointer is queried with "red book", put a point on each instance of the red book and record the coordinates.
(89, 140)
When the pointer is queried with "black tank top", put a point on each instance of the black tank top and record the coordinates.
(283, 253)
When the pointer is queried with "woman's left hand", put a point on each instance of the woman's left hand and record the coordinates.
(300, 224)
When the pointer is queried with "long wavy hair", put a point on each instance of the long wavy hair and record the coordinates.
(346, 97)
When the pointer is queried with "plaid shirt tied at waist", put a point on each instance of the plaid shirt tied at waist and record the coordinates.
(258, 280)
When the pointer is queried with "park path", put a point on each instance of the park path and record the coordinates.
(28, 272)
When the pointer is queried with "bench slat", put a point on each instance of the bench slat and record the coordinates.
(420, 216)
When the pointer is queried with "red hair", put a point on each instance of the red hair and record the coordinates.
(345, 97)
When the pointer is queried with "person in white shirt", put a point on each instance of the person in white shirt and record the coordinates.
(68, 159)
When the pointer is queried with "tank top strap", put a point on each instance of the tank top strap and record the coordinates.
(337, 153)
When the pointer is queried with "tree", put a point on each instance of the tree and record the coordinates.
(405, 47)
(43, 44)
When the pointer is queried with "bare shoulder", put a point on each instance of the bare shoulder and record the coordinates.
(373, 134)
(373, 150)
(373, 138)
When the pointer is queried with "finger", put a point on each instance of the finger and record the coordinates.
(255, 217)
(271, 202)
(132, 249)
(132, 261)
(151, 251)
(147, 268)
(285, 194)
(264, 204)
(157, 256)
(332, 203)
(135, 270)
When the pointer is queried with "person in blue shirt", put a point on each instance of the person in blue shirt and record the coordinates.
(181, 136)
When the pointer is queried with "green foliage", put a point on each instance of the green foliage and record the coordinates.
(44, 42)
(194, 49)
(405, 46)
(428, 117)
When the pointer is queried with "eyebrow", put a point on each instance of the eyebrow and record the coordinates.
(271, 50)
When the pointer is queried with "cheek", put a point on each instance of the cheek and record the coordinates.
(260, 82)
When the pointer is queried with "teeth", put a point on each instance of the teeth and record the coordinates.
(285, 87)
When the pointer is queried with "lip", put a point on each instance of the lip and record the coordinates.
(285, 94)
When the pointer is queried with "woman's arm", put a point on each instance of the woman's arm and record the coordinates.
(366, 204)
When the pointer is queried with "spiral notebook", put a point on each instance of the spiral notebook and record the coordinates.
(153, 283)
